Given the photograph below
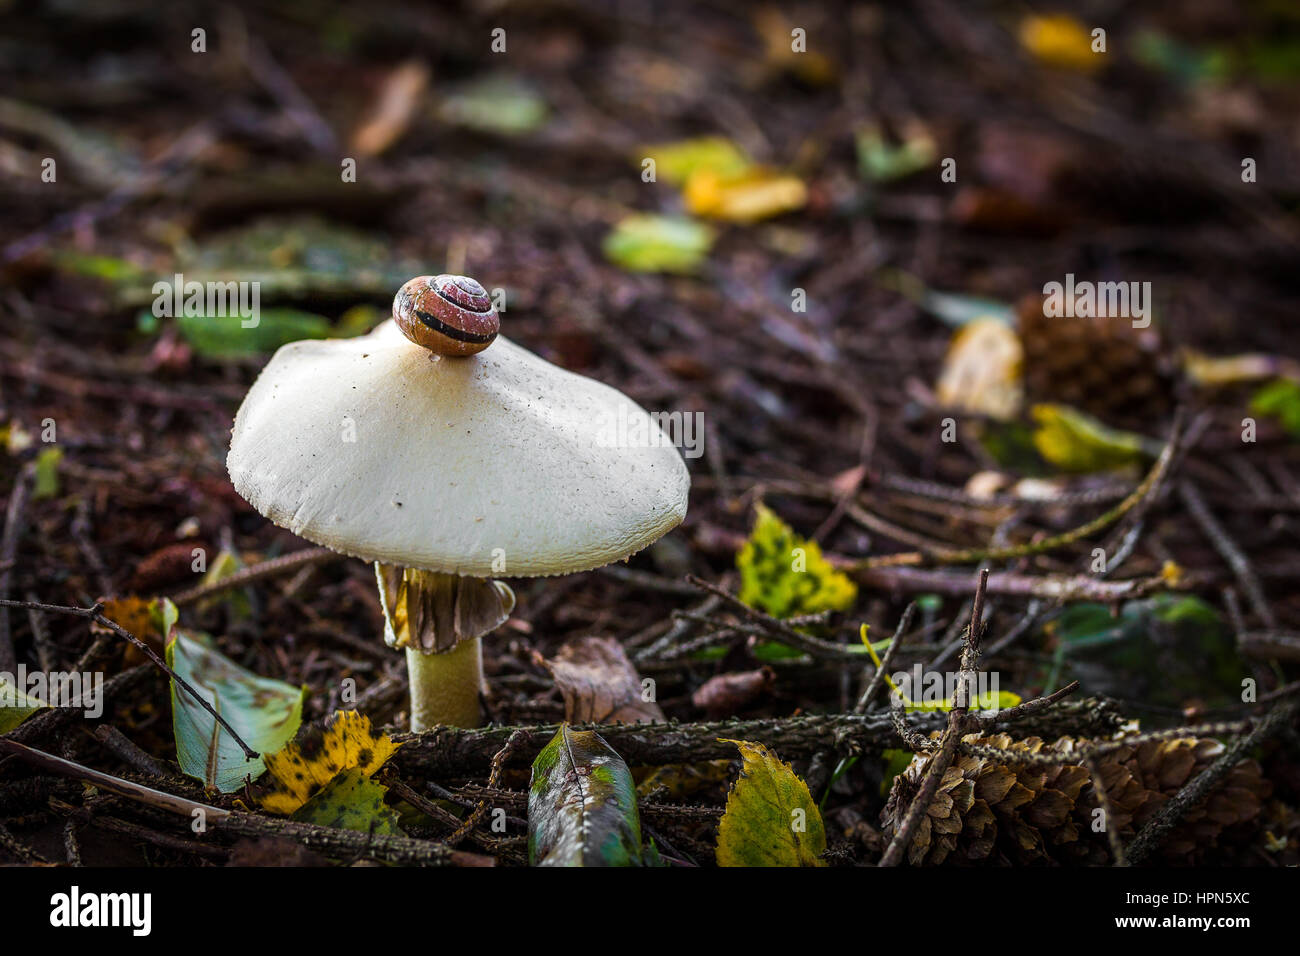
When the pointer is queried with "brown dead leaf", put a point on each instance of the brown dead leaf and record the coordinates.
(599, 683)
(726, 694)
(393, 110)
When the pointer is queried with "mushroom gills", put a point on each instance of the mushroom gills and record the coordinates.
(433, 612)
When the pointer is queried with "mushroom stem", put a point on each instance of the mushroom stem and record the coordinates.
(438, 618)
(445, 686)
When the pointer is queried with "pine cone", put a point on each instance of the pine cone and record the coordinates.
(990, 812)
(1102, 366)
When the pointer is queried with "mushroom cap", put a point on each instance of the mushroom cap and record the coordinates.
(495, 465)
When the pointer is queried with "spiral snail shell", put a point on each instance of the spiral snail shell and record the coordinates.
(446, 314)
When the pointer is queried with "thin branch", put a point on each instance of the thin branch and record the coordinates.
(93, 613)
(977, 555)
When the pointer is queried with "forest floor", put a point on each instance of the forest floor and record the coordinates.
(516, 168)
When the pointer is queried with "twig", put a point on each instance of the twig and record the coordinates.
(327, 839)
(257, 572)
(878, 677)
(1228, 550)
(1063, 588)
(93, 613)
(494, 778)
(451, 751)
(959, 721)
(1108, 811)
(976, 555)
(129, 753)
(15, 520)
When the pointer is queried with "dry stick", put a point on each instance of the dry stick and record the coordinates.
(15, 519)
(326, 839)
(1228, 550)
(494, 778)
(958, 722)
(457, 752)
(45, 655)
(1107, 810)
(47, 721)
(93, 613)
(264, 569)
(878, 677)
(1157, 828)
(126, 750)
(21, 850)
(1078, 587)
(769, 626)
(977, 555)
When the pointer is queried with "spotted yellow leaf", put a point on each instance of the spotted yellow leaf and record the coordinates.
(316, 756)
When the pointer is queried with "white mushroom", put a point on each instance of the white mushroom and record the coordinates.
(448, 472)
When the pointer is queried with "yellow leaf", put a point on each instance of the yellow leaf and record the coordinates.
(675, 162)
(771, 819)
(786, 575)
(315, 757)
(1059, 40)
(981, 372)
(749, 196)
(1073, 441)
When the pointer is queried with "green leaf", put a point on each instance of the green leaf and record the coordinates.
(502, 105)
(225, 336)
(786, 575)
(15, 706)
(646, 243)
(582, 804)
(771, 819)
(352, 801)
(1280, 399)
(47, 474)
(1073, 441)
(264, 712)
(881, 161)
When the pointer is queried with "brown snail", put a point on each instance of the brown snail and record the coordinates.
(446, 314)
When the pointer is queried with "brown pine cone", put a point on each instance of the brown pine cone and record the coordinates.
(1102, 366)
(990, 812)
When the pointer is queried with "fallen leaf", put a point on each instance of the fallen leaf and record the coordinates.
(786, 575)
(1073, 441)
(393, 110)
(15, 705)
(771, 819)
(725, 694)
(351, 801)
(881, 160)
(981, 372)
(1281, 400)
(1059, 40)
(676, 161)
(46, 484)
(309, 763)
(745, 197)
(264, 712)
(501, 104)
(647, 243)
(599, 684)
(582, 805)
